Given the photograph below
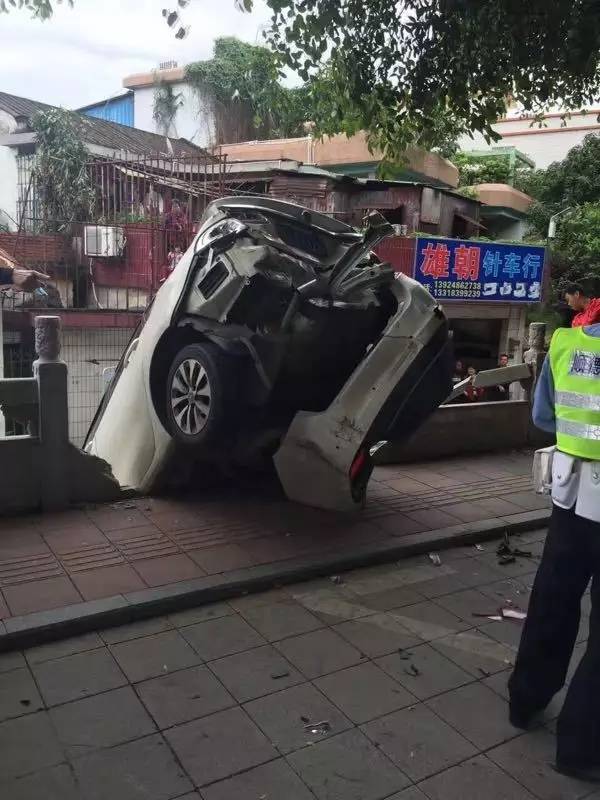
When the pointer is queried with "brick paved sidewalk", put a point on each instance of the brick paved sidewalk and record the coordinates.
(381, 686)
(57, 560)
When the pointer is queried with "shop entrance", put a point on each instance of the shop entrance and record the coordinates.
(477, 342)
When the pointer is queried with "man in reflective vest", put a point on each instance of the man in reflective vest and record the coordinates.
(567, 402)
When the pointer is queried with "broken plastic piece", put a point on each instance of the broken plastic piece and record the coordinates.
(479, 547)
(435, 559)
(277, 675)
(318, 728)
(513, 613)
(412, 670)
(337, 579)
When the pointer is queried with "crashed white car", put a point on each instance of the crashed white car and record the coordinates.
(280, 337)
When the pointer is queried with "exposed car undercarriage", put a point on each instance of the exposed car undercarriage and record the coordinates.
(304, 307)
(282, 337)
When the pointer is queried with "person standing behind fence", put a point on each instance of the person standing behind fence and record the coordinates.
(502, 391)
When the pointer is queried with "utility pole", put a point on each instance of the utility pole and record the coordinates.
(552, 222)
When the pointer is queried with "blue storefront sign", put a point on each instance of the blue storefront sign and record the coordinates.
(455, 269)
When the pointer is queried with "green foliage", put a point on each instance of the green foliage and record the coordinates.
(243, 81)
(572, 183)
(62, 183)
(166, 104)
(473, 170)
(40, 9)
(398, 65)
(337, 110)
(576, 250)
(569, 183)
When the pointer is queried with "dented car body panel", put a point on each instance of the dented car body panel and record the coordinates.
(279, 336)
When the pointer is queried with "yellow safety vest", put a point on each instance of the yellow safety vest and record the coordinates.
(575, 362)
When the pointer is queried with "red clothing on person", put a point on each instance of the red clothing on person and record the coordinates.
(590, 316)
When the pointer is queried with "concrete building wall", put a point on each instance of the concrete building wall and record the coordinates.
(8, 177)
(194, 120)
(543, 145)
(87, 352)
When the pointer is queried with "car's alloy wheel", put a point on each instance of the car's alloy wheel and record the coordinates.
(191, 396)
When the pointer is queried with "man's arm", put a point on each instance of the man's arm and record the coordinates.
(24, 279)
(543, 401)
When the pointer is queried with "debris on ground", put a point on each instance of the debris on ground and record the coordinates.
(337, 579)
(480, 548)
(507, 554)
(435, 559)
(277, 675)
(412, 670)
(501, 614)
(318, 728)
(484, 672)
(513, 613)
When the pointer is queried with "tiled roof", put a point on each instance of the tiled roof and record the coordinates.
(101, 133)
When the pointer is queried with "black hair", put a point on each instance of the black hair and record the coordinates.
(574, 288)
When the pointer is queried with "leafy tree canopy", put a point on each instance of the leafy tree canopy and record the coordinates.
(576, 250)
(398, 64)
(396, 67)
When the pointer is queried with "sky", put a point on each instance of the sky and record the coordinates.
(82, 54)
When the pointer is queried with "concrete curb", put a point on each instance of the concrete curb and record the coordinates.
(18, 633)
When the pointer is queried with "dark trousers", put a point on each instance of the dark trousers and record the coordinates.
(571, 558)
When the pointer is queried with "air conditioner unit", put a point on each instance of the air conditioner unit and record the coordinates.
(401, 230)
(104, 241)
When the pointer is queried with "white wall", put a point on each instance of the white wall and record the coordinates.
(194, 120)
(8, 176)
(542, 145)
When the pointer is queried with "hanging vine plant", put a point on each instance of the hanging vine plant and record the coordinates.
(167, 103)
(60, 175)
(242, 83)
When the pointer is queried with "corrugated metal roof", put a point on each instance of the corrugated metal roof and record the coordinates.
(20, 106)
(102, 133)
(113, 109)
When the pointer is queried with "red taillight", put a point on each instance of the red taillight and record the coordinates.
(359, 462)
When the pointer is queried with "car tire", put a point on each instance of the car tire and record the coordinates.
(198, 394)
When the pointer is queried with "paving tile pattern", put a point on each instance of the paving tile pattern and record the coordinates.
(223, 702)
(76, 556)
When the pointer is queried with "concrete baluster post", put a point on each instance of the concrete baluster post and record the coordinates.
(536, 353)
(51, 375)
